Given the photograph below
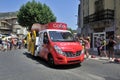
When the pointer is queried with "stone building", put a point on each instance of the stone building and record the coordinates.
(99, 18)
(9, 24)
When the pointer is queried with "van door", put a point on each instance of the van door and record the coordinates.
(43, 45)
(40, 46)
(41, 40)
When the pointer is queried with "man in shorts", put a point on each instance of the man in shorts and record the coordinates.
(103, 48)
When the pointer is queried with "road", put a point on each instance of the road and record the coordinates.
(19, 65)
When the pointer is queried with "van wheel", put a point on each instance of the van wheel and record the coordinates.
(50, 60)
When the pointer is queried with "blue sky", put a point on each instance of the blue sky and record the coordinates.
(64, 10)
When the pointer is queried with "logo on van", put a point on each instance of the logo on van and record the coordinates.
(64, 44)
(59, 26)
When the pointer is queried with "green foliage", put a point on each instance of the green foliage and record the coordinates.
(35, 12)
(70, 30)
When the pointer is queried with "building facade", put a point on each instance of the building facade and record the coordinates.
(10, 25)
(99, 17)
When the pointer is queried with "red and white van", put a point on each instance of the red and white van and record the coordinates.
(57, 45)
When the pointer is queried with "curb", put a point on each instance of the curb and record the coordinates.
(116, 60)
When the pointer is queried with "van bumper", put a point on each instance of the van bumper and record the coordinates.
(62, 60)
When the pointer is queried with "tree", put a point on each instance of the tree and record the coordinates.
(70, 30)
(34, 12)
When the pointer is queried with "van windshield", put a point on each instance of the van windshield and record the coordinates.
(61, 36)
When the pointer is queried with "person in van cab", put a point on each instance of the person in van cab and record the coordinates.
(45, 38)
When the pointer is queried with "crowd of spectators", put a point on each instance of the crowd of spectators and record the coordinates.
(10, 43)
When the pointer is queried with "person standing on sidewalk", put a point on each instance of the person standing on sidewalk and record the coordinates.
(1, 44)
(86, 40)
(5, 45)
(14, 42)
(103, 48)
(98, 44)
(111, 44)
(19, 43)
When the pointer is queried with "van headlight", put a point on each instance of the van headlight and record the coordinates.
(58, 49)
(83, 51)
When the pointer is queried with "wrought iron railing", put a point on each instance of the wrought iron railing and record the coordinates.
(107, 14)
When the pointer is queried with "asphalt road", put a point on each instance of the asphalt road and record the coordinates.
(19, 65)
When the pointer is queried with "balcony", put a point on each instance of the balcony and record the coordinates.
(103, 15)
(8, 28)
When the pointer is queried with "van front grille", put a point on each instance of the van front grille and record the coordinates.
(70, 54)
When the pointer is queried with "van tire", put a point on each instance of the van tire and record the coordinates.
(50, 60)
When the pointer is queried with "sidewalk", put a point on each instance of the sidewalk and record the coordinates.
(94, 55)
(117, 53)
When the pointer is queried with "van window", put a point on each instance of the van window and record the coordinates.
(61, 36)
